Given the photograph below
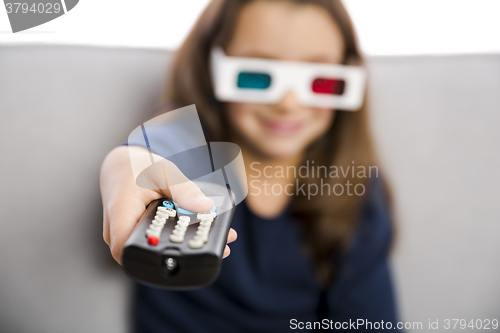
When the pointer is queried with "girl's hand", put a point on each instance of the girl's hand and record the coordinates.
(124, 202)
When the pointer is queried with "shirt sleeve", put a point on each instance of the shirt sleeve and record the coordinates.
(177, 136)
(363, 292)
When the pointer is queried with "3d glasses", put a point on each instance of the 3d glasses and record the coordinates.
(265, 81)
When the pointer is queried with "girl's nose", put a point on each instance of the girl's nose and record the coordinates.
(289, 103)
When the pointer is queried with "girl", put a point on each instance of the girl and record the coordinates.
(301, 260)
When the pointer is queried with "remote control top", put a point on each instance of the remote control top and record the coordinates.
(174, 248)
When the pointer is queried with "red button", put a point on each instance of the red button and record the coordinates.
(153, 240)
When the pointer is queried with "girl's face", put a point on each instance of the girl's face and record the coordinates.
(281, 30)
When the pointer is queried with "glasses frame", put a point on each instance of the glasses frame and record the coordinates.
(295, 76)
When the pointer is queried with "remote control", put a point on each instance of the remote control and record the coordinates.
(173, 248)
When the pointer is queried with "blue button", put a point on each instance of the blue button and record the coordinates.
(213, 210)
(168, 204)
(184, 211)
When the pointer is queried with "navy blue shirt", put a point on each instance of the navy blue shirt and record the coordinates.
(268, 284)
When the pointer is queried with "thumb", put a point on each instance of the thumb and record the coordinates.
(165, 177)
(189, 196)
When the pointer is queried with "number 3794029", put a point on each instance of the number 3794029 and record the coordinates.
(478, 324)
(20, 7)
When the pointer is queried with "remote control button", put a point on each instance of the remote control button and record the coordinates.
(158, 223)
(153, 240)
(160, 218)
(203, 238)
(179, 232)
(155, 227)
(204, 227)
(202, 232)
(176, 238)
(161, 209)
(161, 214)
(213, 210)
(195, 243)
(206, 223)
(172, 212)
(207, 215)
(168, 204)
(184, 211)
(155, 233)
(167, 211)
(180, 227)
(183, 224)
(207, 219)
(184, 218)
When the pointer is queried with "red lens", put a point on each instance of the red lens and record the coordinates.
(328, 86)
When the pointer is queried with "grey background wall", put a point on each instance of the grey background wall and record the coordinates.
(436, 121)
(63, 108)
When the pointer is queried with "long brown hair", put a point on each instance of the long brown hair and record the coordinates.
(328, 220)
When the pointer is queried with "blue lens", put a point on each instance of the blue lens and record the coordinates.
(252, 80)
